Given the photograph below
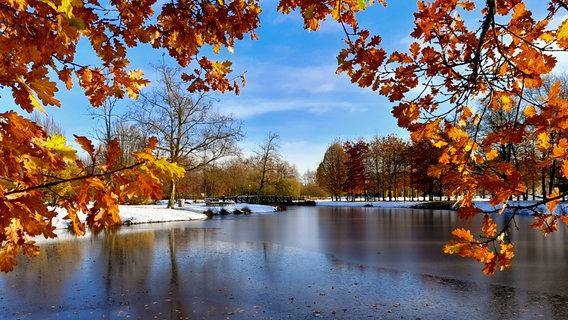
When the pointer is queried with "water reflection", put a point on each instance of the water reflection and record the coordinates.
(329, 262)
(51, 269)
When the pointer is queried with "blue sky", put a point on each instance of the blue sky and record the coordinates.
(292, 88)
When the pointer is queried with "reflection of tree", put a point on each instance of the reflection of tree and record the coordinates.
(128, 260)
(176, 305)
(36, 276)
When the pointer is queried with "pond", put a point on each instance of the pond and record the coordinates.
(325, 262)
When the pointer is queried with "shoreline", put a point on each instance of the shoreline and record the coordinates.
(191, 211)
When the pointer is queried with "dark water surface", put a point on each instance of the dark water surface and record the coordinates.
(304, 263)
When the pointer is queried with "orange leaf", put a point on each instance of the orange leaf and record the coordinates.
(489, 227)
(457, 247)
(463, 235)
(530, 111)
(112, 154)
(490, 265)
(415, 49)
(551, 205)
(539, 222)
(467, 5)
(466, 212)
(85, 144)
(492, 154)
(7, 261)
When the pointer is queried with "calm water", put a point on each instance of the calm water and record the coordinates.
(325, 262)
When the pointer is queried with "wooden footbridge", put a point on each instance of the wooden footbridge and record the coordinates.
(260, 199)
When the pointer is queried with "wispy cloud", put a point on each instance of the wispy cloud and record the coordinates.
(249, 108)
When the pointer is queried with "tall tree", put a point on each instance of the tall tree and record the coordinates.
(355, 166)
(332, 172)
(393, 160)
(374, 166)
(423, 155)
(189, 130)
(267, 157)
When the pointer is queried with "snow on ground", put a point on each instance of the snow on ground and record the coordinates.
(160, 213)
(196, 211)
(376, 204)
(480, 203)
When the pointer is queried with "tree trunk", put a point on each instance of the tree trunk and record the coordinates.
(172, 199)
(552, 176)
(543, 183)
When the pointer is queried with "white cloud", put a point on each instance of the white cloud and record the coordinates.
(304, 154)
(249, 108)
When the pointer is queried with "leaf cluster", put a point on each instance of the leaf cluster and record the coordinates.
(33, 164)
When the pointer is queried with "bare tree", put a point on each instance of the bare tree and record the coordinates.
(112, 125)
(130, 139)
(49, 125)
(189, 131)
(267, 156)
(107, 115)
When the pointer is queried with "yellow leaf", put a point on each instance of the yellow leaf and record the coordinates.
(171, 169)
(56, 143)
(66, 7)
(216, 48)
(563, 30)
(36, 103)
(137, 83)
(547, 37)
(543, 141)
(506, 101)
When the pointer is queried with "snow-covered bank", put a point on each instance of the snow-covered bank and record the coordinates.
(196, 211)
(482, 204)
(160, 213)
(375, 204)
